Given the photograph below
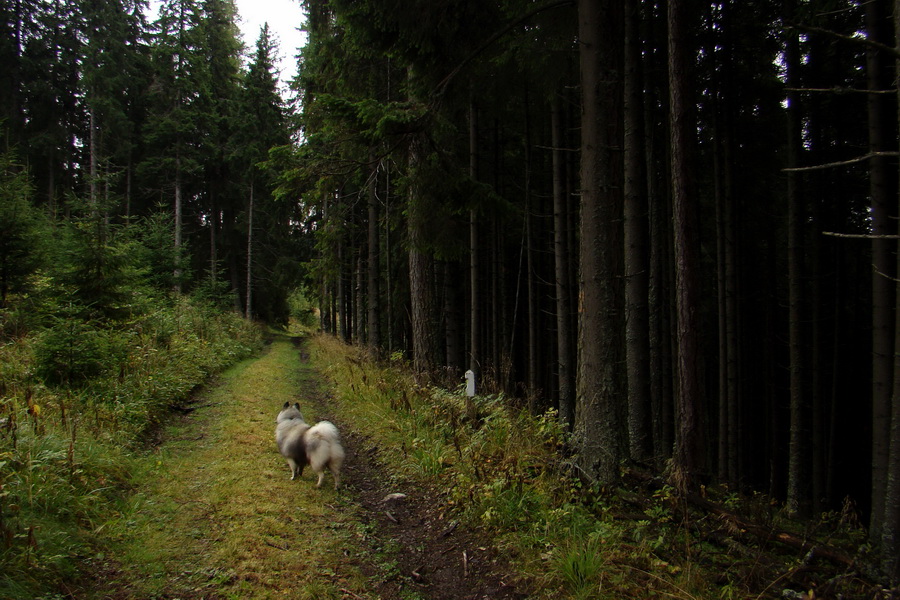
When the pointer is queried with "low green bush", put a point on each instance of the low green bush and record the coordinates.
(73, 352)
(75, 403)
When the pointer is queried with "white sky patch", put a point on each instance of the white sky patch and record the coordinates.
(285, 18)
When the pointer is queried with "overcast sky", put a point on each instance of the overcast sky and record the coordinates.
(284, 17)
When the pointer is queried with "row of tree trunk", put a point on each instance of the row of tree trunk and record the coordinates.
(643, 249)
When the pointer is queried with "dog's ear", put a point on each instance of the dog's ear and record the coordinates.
(286, 404)
(297, 405)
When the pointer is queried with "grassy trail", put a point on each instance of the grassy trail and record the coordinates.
(215, 514)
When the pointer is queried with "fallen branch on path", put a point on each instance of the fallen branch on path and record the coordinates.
(450, 529)
(274, 545)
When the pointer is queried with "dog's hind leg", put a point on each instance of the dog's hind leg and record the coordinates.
(335, 464)
(296, 468)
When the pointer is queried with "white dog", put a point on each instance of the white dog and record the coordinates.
(318, 446)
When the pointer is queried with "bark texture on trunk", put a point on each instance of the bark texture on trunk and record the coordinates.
(600, 422)
(688, 461)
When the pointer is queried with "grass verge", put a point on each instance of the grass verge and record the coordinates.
(66, 450)
(496, 466)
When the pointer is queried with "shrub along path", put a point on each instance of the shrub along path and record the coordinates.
(215, 515)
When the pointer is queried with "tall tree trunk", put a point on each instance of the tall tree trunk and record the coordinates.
(497, 304)
(600, 422)
(474, 288)
(726, 274)
(531, 376)
(660, 241)
(388, 270)
(773, 401)
(359, 309)
(719, 167)
(92, 136)
(834, 396)
(213, 241)
(229, 239)
(372, 296)
(637, 325)
(688, 463)
(499, 298)
(335, 298)
(452, 314)
(420, 272)
(729, 404)
(564, 335)
(877, 13)
(178, 220)
(797, 492)
(890, 527)
(342, 301)
(248, 304)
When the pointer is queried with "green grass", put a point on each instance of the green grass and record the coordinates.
(218, 512)
(496, 466)
(66, 452)
(211, 512)
(581, 563)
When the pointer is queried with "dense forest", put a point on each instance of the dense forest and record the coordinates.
(673, 223)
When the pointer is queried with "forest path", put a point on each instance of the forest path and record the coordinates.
(215, 515)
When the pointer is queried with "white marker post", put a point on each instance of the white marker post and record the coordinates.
(470, 393)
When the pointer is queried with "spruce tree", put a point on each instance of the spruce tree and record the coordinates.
(263, 125)
(218, 80)
(51, 105)
(22, 229)
(173, 128)
(113, 81)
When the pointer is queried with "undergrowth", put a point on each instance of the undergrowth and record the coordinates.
(75, 398)
(499, 467)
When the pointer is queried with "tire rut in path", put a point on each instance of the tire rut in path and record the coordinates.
(437, 557)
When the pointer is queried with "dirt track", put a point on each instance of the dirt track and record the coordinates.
(218, 517)
(437, 558)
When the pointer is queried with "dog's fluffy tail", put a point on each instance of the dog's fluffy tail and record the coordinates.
(323, 430)
(323, 447)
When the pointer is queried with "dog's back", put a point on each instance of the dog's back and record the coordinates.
(318, 446)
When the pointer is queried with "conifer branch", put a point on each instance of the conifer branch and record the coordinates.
(841, 163)
(441, 87)
(841, 90)
(891, 50)
(863, 236)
